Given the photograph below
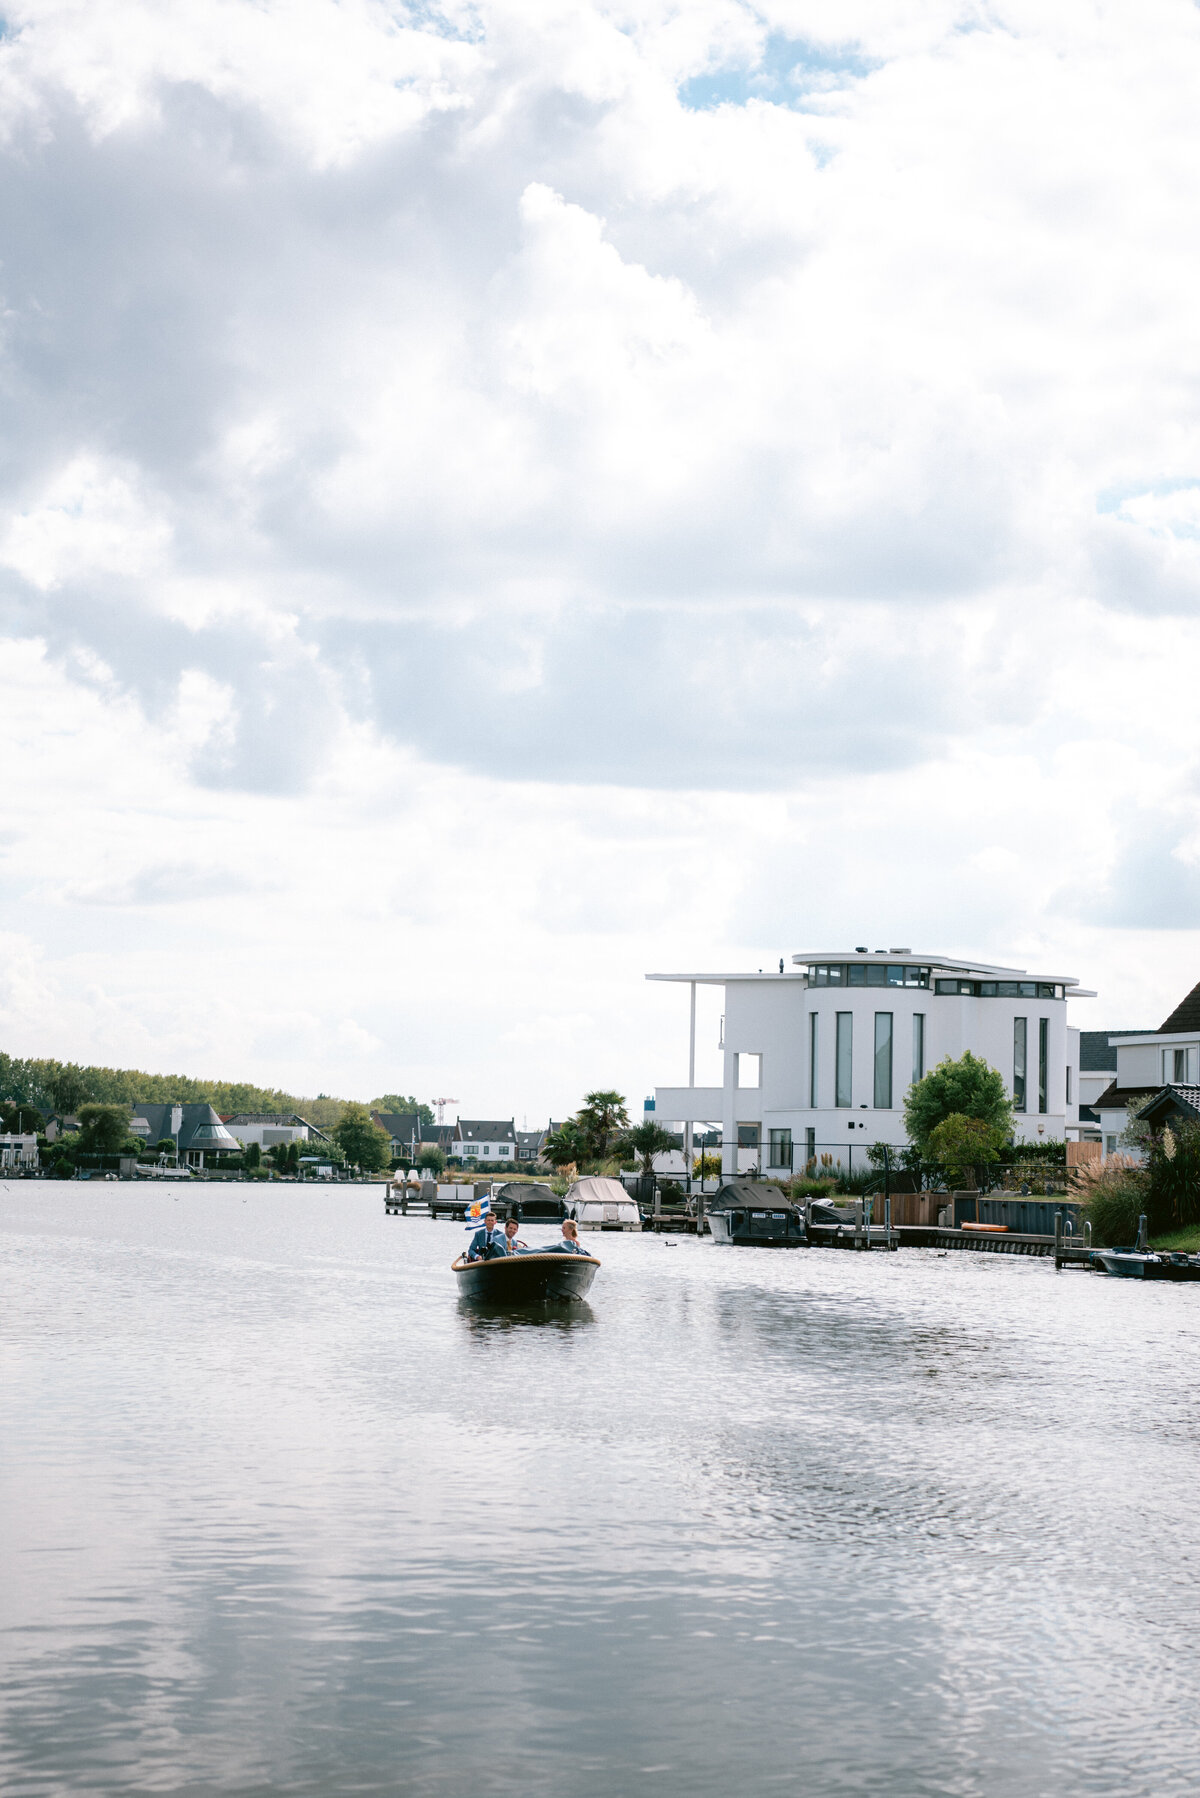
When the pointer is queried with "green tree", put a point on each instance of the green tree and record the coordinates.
(646, 1140)
(102, 1128)
(566, 1146)
(968, 1087)
(68, 1086)
(19, 1118)
(601, 1116)
(399, 1102)
(431, 1159)
(253, 1156)
(962, 1144)
(364, 1144)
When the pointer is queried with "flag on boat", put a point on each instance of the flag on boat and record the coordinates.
(476, 1212)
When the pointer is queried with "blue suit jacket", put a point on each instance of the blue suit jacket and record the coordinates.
(481, 1249)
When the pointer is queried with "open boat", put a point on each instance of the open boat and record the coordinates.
(1137, 1264)
(526, 1279)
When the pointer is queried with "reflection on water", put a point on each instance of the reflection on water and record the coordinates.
(481, 1316)
(283, 1515)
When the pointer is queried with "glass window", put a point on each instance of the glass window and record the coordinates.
(856, 975)
(876, 974)
(987, 989)
(918, 1061)
(747, 1136)
(883, 1060)
(1020, 1029)
(895, 976)
(1069, 1070)
(812, 1060)
(810, 1145)
(844, 1059)
(779, 1152)
(1043, 1064)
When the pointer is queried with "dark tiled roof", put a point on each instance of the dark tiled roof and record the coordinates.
(403, 1125)
(1095, 1056)
(486, 1130)
(1178, 1098)
(1116, 1097)
(1186, 1015)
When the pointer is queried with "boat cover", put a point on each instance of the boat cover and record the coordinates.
(825, 1213)
(749, 1195)
(596, 1189)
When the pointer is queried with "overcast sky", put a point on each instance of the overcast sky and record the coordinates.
(497, 498)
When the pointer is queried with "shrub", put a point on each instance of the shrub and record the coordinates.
(1114, 1194)
(962, 1144)
(1174, 1177)
(808, 1188)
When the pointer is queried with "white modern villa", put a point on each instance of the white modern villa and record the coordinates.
(817, 1058)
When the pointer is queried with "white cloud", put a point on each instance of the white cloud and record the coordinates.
(537, 491)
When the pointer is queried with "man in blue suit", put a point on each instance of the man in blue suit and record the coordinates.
(488, 1242)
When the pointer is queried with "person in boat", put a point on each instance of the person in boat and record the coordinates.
(488, 1241)
(512, 1241)
(570, 1244)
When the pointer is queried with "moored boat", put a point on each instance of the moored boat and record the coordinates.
(526, 1279)
(1136, 1264)
(751, 1214)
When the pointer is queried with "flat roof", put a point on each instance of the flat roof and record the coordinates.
(906, 957)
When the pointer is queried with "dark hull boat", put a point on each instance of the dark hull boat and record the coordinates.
(526, 1279)
(752, 1215)
(1133, 1264)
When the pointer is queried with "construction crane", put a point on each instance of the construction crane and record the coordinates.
(441, 1106)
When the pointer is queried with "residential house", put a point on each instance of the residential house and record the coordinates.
(195, 1129)
(484, 1139)
(1148, 1062)
(270, 1128)
(18, 1150)
(405, 1130)
(818, 1058)
(1097, 1072)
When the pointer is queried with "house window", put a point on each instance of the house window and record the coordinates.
(747, 1136)
(1068, 1083)
(779, 1150)
(1020, 1034)
(812, 1061)
(1043, 1063)
(747, 1070)
(918, 1061)
(883, 1061)
(810, 1145)
(1179, 1067)
(844, 1059)
(504, 1149)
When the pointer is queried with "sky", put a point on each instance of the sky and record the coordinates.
(496, 499)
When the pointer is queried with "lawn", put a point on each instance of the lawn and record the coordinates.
(1186, 1242)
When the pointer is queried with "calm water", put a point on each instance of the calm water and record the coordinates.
(279, 1516)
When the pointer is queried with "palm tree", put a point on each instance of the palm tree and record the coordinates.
(648, 1140)
(600, 1117)
(565, 1146)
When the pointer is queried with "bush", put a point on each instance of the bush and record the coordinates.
(1174, 1177)
(1114, 1194)
(809, 1188)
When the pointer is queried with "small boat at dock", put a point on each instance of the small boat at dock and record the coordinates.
(1138, 1264)
(526, 1279)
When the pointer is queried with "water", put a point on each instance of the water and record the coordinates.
(280, 1516)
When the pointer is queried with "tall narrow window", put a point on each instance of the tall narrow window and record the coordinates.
(1020, 1028)
(1043, 1064)
(810, 1147)
(812, 1061)
(883, 1061)
(1068, 1083)
(844, 1067)
(918, 1045)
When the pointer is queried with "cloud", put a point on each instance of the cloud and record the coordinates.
(491, 489)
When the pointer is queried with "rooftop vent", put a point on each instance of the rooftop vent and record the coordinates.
(861, 949)
(904, 951)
